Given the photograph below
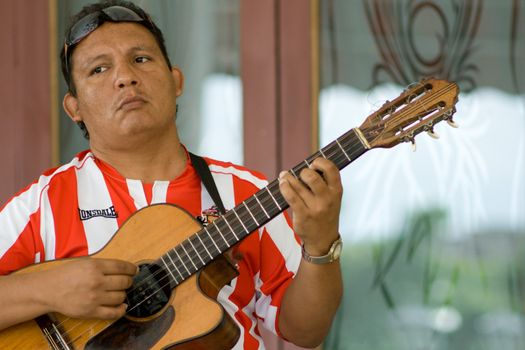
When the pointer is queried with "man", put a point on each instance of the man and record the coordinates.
(122, 93)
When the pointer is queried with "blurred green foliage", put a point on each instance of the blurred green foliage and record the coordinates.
(408, 291)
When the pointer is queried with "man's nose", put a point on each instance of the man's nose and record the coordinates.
(126, 76)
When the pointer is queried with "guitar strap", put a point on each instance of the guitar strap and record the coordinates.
(203, 170)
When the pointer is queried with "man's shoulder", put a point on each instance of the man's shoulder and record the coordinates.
(77, 162)
(51, 177)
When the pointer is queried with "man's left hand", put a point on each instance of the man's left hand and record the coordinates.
(315, 199)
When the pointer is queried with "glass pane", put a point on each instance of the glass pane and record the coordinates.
(434, 239)
(202, 38)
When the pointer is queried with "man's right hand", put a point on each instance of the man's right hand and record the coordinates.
(79, 288)
(89, 288)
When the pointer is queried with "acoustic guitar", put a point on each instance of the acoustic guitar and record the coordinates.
(172, 302)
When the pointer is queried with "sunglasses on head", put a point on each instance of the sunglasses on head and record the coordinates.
(87, 24)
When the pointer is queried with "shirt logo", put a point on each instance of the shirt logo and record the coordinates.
(92, 213)
(208, 216)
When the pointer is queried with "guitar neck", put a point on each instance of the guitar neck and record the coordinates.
(202, 247)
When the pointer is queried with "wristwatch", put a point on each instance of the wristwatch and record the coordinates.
(333, 254)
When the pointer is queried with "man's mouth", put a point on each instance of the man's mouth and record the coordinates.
(131, 102)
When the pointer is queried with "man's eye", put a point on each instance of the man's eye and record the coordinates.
(98, 70)
(142, 59)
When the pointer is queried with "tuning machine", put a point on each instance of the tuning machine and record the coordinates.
(412, 141)
(432, 134)
(452, 123)
(449, 119)
(430, 131)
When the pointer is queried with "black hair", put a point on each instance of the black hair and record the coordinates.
(98, 7)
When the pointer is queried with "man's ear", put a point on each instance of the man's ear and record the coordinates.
(179, 80)
(70, 104)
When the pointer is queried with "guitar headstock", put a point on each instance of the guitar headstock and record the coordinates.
(417, 109)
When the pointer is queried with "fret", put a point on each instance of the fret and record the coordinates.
(278, 196)
(204, 245)
(297, 170)
(332, 152)
(169, 270)
(346, 154)
(307, 164)
(182, 262)
(264, 210)
(188, 255)
(231, 229)
(238, 218)
(249, 211)
(271, 195)
(176, 268)
(220, 233)
(213, 241)
(256, 210)
(195, 250)
(322, 153)
(334, 149)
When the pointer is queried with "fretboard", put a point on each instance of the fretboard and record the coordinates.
(205, 245)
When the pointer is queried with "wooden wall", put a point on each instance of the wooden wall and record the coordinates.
(25, 96)
(279, 78)
(279, 65)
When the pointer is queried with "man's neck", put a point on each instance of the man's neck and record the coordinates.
(161, 159)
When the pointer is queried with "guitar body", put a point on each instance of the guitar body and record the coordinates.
(192, 318)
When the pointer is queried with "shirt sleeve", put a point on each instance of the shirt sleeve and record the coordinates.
(20, 243)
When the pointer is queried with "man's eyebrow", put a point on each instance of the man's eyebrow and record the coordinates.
(90, 60)
(141, 48)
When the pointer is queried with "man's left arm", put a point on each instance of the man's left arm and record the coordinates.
(312, 298)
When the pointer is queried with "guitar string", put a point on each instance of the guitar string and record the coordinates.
(266, 199)
(314, 156)
(247, 216)
(420, 103)
(331, 150)
(333, 153)
(338, 158)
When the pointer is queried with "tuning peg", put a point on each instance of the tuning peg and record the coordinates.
(413, 142)
(432, 134)
(452, 123)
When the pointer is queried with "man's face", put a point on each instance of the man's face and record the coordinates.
(124, 86)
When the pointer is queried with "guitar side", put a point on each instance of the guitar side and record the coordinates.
(192, 319)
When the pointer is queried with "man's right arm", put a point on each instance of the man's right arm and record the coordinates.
(80, 288)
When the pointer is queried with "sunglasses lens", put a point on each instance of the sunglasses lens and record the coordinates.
(119, 13)
(82, 28)
(90, 22)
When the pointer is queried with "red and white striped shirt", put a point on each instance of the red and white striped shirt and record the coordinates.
(43, 222)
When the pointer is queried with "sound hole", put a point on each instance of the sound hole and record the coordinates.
(150, 291)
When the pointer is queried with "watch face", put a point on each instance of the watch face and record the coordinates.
(337, 249)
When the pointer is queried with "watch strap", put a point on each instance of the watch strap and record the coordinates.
(332, 255)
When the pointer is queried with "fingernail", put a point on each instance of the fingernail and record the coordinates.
(282, 174)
